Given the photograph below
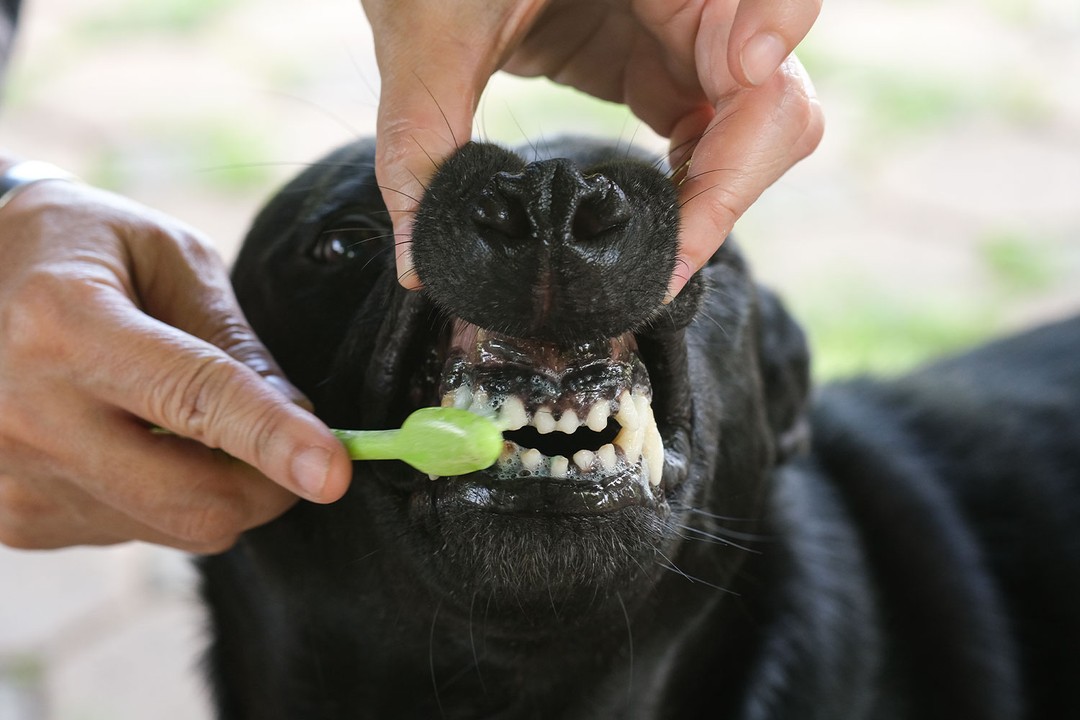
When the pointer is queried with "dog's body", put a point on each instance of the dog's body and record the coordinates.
(917, 557)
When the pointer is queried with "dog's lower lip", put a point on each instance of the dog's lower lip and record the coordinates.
(540, 495)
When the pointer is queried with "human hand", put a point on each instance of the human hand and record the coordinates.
(710, 76)
(115, 318)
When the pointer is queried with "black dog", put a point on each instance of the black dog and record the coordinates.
(673, 531)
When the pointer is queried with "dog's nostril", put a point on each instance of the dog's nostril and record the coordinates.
(603, 209)
(504, 214)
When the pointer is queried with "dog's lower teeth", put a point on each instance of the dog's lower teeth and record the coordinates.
(607, 457)
(584, 459)
(531, 460)
(559, 466)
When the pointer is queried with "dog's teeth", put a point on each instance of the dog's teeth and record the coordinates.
(653, 451)
(447, 400)
(559, 466)
(627, 415)
(531, 459)
(598, 416)
(568, 423)
(544, 421)
(584, 459)
(512, 414)
(631, 440)
(462, 398)
(481, 404)
(432, 476)
(643, 410)
(606, 454)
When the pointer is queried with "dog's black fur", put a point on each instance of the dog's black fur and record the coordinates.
(900, 549)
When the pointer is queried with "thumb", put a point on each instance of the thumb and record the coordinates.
(223, 387)
(434, 68)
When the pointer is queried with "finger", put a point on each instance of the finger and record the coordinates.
(764, 33)
(44, 513)
(430, 92)
(183, 282)
(752, 139)
(90, 337)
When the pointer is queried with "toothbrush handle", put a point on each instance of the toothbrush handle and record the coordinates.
(370, 444)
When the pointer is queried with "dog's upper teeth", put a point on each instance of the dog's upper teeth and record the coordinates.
(598, 415)
(568, 422)
(544, 421)
(627, 414)
(512, 415)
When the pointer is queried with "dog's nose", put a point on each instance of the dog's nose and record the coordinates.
(551, 202)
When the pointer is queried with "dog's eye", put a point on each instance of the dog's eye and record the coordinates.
(348, 238)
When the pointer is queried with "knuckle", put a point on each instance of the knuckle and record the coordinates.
(186, 397)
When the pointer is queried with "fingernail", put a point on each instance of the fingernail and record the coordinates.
(310, 469)
(761, 56)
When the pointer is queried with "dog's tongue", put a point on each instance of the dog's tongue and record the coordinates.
(481, 347)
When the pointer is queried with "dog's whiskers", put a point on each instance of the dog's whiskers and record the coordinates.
(697, 534)
(669, 564)
(629, 647)
(431, 660)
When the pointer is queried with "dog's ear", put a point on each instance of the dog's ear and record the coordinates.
(785, 371)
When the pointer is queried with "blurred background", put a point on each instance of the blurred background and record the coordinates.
(942, 208)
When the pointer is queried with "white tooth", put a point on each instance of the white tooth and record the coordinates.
(607, 457)
(463, 398)
(432, 476)
(447, 400)
(559, 466)
(598, 415)
(627, 415)
(568, 422)
(584, 459)
(481, 404)
(512, 414)
(643, 409)
(654, 455)
(543, 421)
(531, 459)
(630, 440)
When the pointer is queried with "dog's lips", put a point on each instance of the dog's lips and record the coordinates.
(574, 417)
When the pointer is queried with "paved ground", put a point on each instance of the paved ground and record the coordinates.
(943, 206)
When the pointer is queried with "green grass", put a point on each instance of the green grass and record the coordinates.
(1016, 264)
(862, 331)
(138, 17)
